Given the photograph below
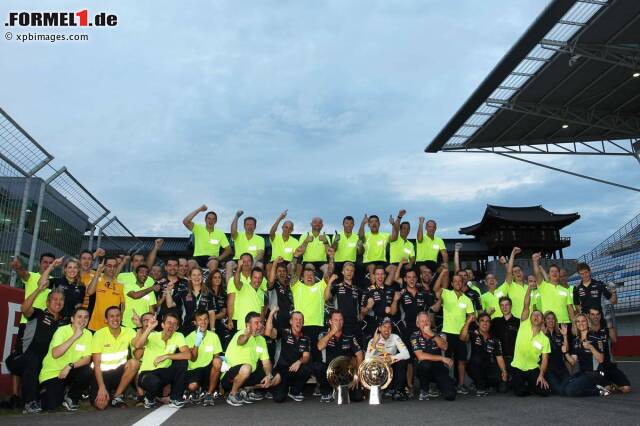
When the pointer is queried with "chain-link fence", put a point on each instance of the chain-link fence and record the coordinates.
(43, 209)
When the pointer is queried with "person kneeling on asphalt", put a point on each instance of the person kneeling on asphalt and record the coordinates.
(433, 366)
(390, 348)
(295, 355)
(248, 358)
(67, 364)
(205, 364)
(112, 371)
(164, 361)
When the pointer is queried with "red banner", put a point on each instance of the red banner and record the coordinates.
(10, 300)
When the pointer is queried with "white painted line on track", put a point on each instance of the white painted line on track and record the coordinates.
(157, 416)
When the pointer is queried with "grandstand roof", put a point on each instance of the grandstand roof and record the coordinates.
(572, 78)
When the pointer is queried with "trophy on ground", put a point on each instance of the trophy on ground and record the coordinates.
(341, 374)
(375, 374)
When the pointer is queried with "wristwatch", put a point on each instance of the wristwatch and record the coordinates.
(71, 366)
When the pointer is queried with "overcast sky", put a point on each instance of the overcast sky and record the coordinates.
(321, 107)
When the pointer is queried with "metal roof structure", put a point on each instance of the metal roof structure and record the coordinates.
(570, 85)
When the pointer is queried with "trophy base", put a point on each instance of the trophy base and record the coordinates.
(374, 395)
(342, 395)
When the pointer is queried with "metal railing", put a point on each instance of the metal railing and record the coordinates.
(24, 161)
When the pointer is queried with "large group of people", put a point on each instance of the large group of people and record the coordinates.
(231, 322)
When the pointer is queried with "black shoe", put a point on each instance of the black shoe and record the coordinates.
(400, 396)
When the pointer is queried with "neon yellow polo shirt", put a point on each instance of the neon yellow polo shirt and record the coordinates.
(375, 247)
(347, 250)
(113, 350)
(51, 366)
(209, 348)
(243, 245)
(400, 249)
(555, 298)
(316, 250)
(309, 299)
(455, 311)
(250, 353)
(529, 347)
(282, 248)
(489, 300)
(155, 347)
(31, 285)
(429, 248)
(141, 305)
(516, 293)
(208, 243)
(247, 298)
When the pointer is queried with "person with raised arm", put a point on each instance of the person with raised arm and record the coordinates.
(430, 349)
(32, 345)
(486, 365)
(205, 364)
(164, 361)
(246, 292)
(67, 364)
(457, 308)
(283, 244)
(293, 365)
(429, 246)
(551, 295)
(109, 292)
(531, 356)
(399, 245)
(279, 282)
(245, 242)
(208, 240)
(308, 298)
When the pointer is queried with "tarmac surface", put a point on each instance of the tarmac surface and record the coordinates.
(495, 409)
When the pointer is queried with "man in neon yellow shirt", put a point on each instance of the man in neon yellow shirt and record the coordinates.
(552, 296)
(457, 309)
(208, 240)
(140, 295)
(67, 364)
(137, 259)
(399, 246)
(246, 292)
(374, 243)
(248, 358)
(531, 355)
(515, 282)
(284, 244)
(429, 247)
(315, 245)
(491, 299)
(245, 242)
(205, 364)
(164, 361)
(30, 280)
(308, 298)
(346, 244)
(112, 371)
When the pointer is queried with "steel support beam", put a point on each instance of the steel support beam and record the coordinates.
(571, 115)
(627, 56)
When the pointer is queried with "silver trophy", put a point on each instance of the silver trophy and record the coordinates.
(340, 374)
(375, 374)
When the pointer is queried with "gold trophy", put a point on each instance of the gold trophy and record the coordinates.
(375, 374)
(341, 374)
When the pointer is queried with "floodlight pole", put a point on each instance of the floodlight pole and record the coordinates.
(36, 226)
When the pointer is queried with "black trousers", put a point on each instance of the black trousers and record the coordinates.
(524, 383)
(436, 372)
(26, 365)
(484, 374)
(53, 393)
(153, 381)
(288, 379)
(313, 331)
(399, 382)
